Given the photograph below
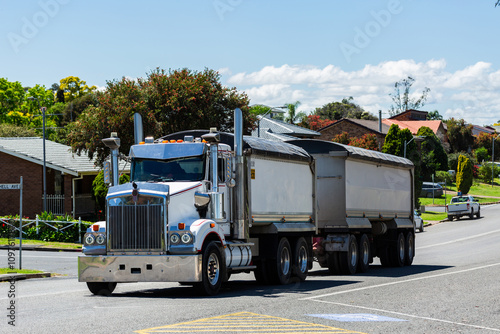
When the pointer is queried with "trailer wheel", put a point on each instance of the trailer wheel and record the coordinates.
(398, 252)
(281, 268)
(349, 259)
(410, 248)
(364, 254)
(101, 288)
(332, 259)
(213, 270)
(301, 259)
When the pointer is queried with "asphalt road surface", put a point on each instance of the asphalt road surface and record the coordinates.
(452, 287)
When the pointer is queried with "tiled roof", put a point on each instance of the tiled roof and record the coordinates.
(369, 124)
(274, 129)
(57, 156)
(413, 126)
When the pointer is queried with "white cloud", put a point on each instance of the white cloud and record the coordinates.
(471, 93)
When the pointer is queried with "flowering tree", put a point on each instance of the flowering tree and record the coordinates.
(168, 102)
(368, 141)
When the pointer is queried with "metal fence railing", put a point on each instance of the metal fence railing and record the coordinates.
(55, 204)
(50, 223)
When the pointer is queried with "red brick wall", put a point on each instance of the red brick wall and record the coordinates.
(354, 130)
(68, 200)
(11, 169)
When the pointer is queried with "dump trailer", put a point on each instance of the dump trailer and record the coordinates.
(363, 207)
(202, 205)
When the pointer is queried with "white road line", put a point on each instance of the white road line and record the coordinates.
(458, 240)
(400, 282)
(20, 295)
(409, 315)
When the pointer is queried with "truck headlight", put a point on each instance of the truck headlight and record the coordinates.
(187, 238)
(175, 238)
(100, 239)
(89, 239)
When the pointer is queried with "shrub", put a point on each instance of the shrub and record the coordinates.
(464, 174)
(485, 172)
(442, 176)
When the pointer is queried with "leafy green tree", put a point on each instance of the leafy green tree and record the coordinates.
(485, 171)
(74, 87)
(485, 140)
(459, 135)
(42, 97)
(12, 96)
(74, 108)
(434, 115)
(168, 102)
(453, 160)
(481, 154)
(11, 130)
(344, 109)
(100, 189)
(464, 174)
(401, 97)
(395, 141)
(433, 155)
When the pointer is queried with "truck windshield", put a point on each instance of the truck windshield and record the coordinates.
(181, 169)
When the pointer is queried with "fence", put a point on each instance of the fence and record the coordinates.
(55, 204)
(37, 221)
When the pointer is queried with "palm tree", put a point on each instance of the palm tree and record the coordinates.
(293, 116)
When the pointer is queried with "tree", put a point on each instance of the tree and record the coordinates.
(342, 138)
(168, 102)
(464, 174)
(459, 135)
(434, 115)
(314, 122)
(433, 155)
(344, 109)
(367, 141)
(402, 99)
(73, 87)
(74, 108)
(12, 95)
(485, 140)
(294, 116)
(11, 130)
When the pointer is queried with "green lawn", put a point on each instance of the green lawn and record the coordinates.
(4, 241)
(440, 200)
(433, 216)
(4, 271)
(480, 189)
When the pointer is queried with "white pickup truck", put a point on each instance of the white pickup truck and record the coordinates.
(463, 206)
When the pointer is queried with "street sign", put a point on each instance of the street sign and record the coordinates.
(7, 186)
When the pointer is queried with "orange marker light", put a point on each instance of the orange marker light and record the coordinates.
(142, 143)
(181, 226)
(172, 140)
(212, 225)
(95, 228)
(180, 140)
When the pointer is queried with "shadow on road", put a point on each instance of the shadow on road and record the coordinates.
(379, 271)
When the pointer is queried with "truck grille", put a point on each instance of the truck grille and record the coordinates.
(136, 227)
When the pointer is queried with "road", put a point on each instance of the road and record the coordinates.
(453, 286)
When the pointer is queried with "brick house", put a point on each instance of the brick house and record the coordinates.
(411, 115)
(355, 128)
(69, 178)
(438, 127)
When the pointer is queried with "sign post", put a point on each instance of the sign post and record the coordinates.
(17, 186)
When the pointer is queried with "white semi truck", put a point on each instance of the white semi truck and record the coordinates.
(202, 205)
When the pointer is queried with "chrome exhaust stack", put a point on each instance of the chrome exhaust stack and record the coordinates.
(241, 226)
(138, 129)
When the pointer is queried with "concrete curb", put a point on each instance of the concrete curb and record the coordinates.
(18, 277)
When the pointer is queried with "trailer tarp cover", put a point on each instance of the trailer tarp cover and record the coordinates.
(256, 145)
(315, 146)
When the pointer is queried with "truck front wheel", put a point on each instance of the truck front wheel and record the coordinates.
(212, 270)
(101, 288)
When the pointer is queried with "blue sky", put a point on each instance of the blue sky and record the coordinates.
(276, 51)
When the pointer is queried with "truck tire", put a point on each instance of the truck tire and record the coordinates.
(349, 259)
(450, 218)
(478, 214)
(471, 215)
(364, 254)
(301, 259)
(101, 288)
(212, 271)
(283, 265)
(398, 252)
(409, 248)
(332, 258)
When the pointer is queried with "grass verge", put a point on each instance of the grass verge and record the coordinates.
(48, 244)
(434, 216)
(4, 271)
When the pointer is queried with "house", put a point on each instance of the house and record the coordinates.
(355, 128)
(276, 130)
(437, 126)
(69, 178)
(411, 115)
(476, 130)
